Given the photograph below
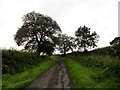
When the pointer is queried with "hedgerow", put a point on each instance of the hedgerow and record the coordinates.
(14, 61)
(99, 59)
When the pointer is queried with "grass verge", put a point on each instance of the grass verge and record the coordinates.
(20, 80)
(87, 77)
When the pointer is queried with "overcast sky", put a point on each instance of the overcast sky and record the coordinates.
(99, 15)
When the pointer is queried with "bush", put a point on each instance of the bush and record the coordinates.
(115, 51)
(17, 61)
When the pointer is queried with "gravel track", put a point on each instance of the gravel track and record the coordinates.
(56, 77)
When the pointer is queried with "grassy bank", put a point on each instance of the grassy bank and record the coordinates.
(88, 77)
(20, 80)
(111, 65)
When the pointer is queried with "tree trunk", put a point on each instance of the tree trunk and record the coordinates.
(64, 50)
(38, 49)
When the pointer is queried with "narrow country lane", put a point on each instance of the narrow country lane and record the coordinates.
(56, 77)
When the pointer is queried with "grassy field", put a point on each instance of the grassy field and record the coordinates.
(84, 76)
(20, 80)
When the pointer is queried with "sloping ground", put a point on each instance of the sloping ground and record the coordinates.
(56, 77)
(91, 77)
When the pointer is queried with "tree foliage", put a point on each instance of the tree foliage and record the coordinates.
(116, 41)
(38, 32)
(85, 39)
(115, 49)
(66, 43)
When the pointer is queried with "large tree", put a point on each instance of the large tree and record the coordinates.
(85, 39)
(66, 43)
(38, 32)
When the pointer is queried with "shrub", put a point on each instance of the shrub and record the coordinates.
(14, 61)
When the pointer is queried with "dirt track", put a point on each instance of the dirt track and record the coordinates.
(56, 77)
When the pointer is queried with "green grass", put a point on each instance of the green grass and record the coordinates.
(87, 77)
(99, 61)
(111, 65)
(20, 80)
